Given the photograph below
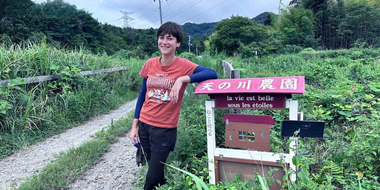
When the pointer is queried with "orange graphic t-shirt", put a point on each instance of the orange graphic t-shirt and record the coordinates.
(157, 109)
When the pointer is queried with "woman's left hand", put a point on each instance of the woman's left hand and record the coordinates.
(174, 93)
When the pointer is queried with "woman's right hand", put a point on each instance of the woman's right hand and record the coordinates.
(134, 136)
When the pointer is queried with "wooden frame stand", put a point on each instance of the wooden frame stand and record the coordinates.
(260, 157)
(249, 132)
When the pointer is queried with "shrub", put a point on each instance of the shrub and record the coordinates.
(187, 55)
(32, 112)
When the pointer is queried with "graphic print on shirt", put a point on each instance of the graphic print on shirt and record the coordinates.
(160, 86)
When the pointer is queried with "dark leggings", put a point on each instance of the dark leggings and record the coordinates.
(157, 144)
(155, 175)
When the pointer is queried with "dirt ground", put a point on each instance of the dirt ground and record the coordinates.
(116, 170)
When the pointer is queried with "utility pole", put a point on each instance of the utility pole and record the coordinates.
(189, 43)
(159, 7)
(279, 9)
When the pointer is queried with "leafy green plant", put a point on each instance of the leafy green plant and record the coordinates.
(32, 112)
(187, 55)
(341, 91)
(198, 182)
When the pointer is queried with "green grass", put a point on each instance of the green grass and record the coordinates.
(31, 113)
(343, 91)
(351, 142)
(42, 59)
(68, 166)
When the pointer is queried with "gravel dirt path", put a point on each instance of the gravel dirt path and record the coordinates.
(117, 169)
(17, 167)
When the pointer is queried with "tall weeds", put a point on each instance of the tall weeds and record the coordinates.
(342, 89)
(33, 112)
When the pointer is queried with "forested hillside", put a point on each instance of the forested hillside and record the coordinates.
(264, 17)
(306, 23)
(204, 29)
(65, 25)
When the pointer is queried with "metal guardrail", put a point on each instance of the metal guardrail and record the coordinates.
(39, 79)
(232, 74)
(228, 68)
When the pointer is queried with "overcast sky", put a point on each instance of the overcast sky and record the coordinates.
(146, 13)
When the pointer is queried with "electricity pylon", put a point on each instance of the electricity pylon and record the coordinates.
(126, 18)
(280, 5)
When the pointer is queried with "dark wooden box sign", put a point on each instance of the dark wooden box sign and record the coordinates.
(306, 128)
(248, 131)
(228, 168)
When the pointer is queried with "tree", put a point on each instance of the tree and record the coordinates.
(271, 20)
(237, 30)
(297, 28)
(321, 14)
(361, 23)
(14, 19)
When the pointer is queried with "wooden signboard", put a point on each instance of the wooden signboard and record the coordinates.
(250, 101)
(305, 128)
(228, 168)
(272, 85)
(248, 131)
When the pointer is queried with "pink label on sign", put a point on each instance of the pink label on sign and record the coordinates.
(281, 85)
(250, 101)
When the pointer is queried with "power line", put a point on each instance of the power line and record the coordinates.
(159, 2)
(151, 14)
(150, 2)
(154, 12)
(184, 8)
(154, 2)
(168, 3)
(177, 12)
(170, 7)
(206, 11)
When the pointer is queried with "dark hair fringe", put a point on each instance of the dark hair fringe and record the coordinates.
(171, 28)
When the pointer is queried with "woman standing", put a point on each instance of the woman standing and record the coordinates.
(158, 106)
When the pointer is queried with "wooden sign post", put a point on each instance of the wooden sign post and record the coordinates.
(248, 93)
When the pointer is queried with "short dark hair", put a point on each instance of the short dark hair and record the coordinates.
(171, 28)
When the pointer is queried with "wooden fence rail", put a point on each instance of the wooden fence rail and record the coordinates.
(39, 79)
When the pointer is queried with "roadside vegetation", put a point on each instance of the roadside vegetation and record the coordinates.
(341, 90)
(33, 112)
